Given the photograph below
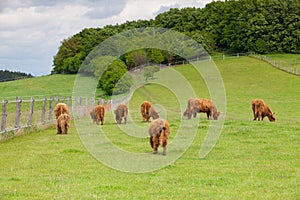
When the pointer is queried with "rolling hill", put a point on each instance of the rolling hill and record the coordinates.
(252, 160)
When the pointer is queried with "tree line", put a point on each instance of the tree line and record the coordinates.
(6, 75)
(262, 26)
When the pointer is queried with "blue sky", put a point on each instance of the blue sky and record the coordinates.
(31, 30)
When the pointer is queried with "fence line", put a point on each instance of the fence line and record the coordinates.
(38, 113)
(12, 123)
(288, 69)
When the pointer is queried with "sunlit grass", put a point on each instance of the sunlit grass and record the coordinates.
(251, 160)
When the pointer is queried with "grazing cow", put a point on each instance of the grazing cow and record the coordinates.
(63, 124)
(148, 111)
(97, 114)
(61, 108)
(192, 108)
(196, 105)
(261, 110)
(159, 132)
(121, 112)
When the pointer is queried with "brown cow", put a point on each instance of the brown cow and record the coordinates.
(192, 108)
(148, 111)
(159, 132)
(196, 105)
(61, 108)
(261, 110)
(63, 124)
(97, 114)
(121, 112)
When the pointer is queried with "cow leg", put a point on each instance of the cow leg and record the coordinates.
(208, 114)
(58, 129)
(125, 120)
(151, 141)
(164, 144)
(63, 129)
(142, 116)
(189, 113)
(255, 116)
(194, 113)
(259, 115)
(66, 129)
(155, 141)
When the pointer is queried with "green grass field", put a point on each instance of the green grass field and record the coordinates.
(289, 60)
(251, 160)
(38, 87)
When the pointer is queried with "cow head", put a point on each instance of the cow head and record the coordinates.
(186, 112)
(155, 115)
(216, 115)
(93, 115)
(271, 117)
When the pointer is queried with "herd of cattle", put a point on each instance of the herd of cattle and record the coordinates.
(159, 129)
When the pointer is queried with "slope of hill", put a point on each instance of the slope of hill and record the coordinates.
(252, 160)
(45, 86)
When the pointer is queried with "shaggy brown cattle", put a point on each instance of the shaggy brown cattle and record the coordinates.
(61, 108)
(97, 114)
(63, 124)
(148, 111)
(196, 105)
(192, 108)
(121, 112)
(261, 110)
(159, 132)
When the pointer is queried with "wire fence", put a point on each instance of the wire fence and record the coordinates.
(23, 116)
(289, 69)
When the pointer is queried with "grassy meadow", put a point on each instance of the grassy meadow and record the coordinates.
(38, 87)
(251, 160)
(289, 60)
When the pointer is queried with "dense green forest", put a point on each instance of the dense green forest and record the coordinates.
(6, 75)
(262, 26)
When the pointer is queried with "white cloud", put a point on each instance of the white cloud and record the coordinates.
(31, 30)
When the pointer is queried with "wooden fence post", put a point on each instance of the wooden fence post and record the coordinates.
(29, 123)
(93, 103)
(18, 112)
(68, 102)
(44, 110)
(57, 100)
(100, 101)
(86, 106)
(74, 110)
(79, 107)
(50, 109)
(4, 115)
